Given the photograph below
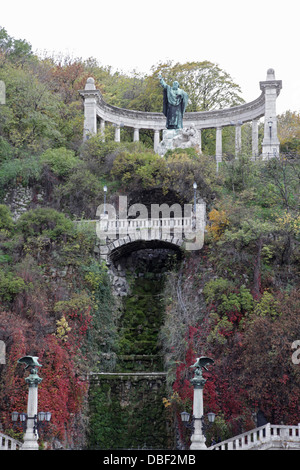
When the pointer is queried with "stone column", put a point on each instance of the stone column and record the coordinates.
(117, 134)
(238, 140)
(254, 139)
(156, 139)
(31, 434)
(136, 134)
(271, 88)
(218, 146)
(200, 140)
(198, 439)
(102, 129)
(90, 116)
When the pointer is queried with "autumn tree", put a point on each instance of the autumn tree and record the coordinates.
(289, 131)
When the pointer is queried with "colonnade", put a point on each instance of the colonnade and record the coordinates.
(97, 112)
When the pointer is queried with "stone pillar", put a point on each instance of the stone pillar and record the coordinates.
(156, 139)
(31, 434)
(218, 146)
(254, 139)
(117, 134)
(102, 129)
(136, 134)
(200, 140)
(238, 140)
(198, 439)
(90, 116)
(271, 88)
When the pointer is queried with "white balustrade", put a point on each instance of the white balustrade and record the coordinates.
(8, 443)
(267, 436)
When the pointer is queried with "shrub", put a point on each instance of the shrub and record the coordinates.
(19, 170)
(47, 222)
(6, 221)
(60, 160)
(10, 285)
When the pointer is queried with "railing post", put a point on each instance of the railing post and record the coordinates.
(268, 431)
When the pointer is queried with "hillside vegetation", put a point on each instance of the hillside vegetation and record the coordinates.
(239, 299)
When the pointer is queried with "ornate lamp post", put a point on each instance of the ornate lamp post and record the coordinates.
(105, 191)
(195, 188)
(198, 438)
(32, 418)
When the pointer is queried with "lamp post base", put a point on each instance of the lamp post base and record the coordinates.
(30, 442)
(198, 442)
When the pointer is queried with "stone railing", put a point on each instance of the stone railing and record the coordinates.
(148, 228)
(8, 443)
(269, 436)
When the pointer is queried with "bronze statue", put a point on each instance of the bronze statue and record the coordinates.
(175, 103)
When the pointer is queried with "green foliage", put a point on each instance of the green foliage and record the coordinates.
(215, 288)
(81, 194)
(267, 306)
(141, 319)
(6, 221)
(223, 294)
(61, 160)
(139, 169)
(118, 415)
(10, 285)
(47, 222)
(6, 150)
(19, 171)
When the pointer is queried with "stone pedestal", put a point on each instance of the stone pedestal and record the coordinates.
(198, 439)
(179, 138)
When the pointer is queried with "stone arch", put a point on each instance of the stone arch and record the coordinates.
(127, 245)
(141, 257)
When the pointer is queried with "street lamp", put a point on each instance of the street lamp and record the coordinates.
(105, 191)
(195, 187)
(39, 420)
(270, 128)
(185, 417)
(188, 421)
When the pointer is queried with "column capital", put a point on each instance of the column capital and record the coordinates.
(270, 82)
(33, 380)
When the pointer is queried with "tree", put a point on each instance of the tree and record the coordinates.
(289, 131)
(32, 111)
(14, 50)
(208, 86)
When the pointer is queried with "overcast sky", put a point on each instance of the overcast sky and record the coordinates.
(244, 37)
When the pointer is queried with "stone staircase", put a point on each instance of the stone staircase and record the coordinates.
(267, 437)
(8, 443)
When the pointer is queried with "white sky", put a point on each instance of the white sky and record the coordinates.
(244, 37)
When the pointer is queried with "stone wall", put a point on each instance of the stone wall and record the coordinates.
(127, 411)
